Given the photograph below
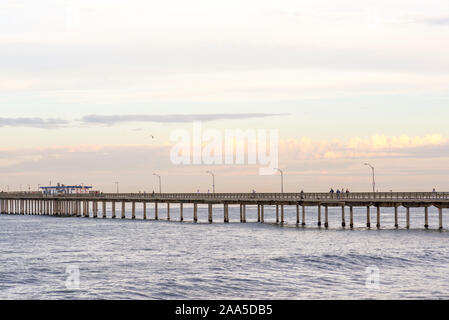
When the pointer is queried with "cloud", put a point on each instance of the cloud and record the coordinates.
(174, 118)
(115, 119)
(316, 165)
(377, 146)
(437, 21)
(32, 122)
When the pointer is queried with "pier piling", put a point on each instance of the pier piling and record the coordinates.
(326, 216)
(426, 217)
(368, 217)
(195, 212)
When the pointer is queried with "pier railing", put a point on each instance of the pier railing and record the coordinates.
(249, 196)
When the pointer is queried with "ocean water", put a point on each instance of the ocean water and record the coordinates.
(137, 259)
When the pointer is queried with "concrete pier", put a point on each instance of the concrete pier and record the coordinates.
(78, 205)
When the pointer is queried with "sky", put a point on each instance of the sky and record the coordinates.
(91, 92)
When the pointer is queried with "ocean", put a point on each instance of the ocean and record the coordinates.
(44, 257)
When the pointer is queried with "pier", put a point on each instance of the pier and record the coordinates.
(88, 205)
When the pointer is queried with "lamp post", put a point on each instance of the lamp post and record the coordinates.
(117, 184)
(282, 179)
(213, 180)
(160, 182)
(374, 181)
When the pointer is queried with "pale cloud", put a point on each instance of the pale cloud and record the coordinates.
(377, 146)
(51, 123)
(171, 118)
(317, 164)
(436, 21)
(79, 158)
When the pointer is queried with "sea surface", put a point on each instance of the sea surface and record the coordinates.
(40, 257)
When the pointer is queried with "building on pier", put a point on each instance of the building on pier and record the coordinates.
(61, 189)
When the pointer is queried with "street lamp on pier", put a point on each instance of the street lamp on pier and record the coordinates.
(213, 180)
(160, 182)
(282, 179)
(374, 181)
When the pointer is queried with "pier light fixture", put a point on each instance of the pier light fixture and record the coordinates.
(213, 180)
(117, 184)
(282, 179)
(374, 181)
(160, 182)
